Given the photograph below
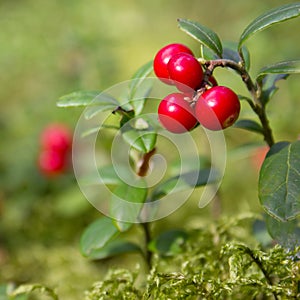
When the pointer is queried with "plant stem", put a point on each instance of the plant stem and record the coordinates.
(261, 267)
(254, 89)
(148, 253)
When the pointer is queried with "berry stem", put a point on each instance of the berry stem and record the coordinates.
(253, 88)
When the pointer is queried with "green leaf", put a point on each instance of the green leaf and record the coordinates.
(80, 98)
(230, 52)
(143, 139)
(279, 181)
(126, 203)
(287, 233)
(169, 243)
(139, 89)
(103, 102)
(97, 235)
(249, 125)
(274, 16)
(284, 67)
(185, 181)
(202, 34)
(29, 288)
(269, 87)
(114, 248)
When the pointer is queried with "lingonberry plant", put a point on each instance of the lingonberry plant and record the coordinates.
(206, 267)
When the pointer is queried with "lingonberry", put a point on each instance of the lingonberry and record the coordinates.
(161, 60)
(52, 162)
(56, 137)
(217, 108)
(185, 70)
(176, 114)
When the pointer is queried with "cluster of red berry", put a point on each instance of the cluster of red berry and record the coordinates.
(55, 149)
(216, 108)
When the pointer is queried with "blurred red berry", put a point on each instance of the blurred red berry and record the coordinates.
(51, 162)
(56, 137)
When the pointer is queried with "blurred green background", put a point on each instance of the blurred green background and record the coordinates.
(51, 48)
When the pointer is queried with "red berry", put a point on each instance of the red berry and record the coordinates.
(217, 108)
(176, 114)
(51, 162)
(56, 137)
(161, 59)
(185, 70)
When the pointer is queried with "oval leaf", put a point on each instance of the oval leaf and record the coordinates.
(279, 181)
(139, 89)
(185, 181)
(26, 289)
(202, 34)
(97, 235)
(80, 98)
(169, 242)
(126, 203)
(274, 16)
(143, 140)
(114, 248)
(284, 67)
(287, 234)
(249, 125)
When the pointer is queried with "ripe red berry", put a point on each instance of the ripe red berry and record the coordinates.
(161, 59)
(217, 108)
(56, 137)
(185, 70)
(51, 162)
(176, 114)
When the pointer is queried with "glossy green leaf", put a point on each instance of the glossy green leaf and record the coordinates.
(103, 102)
(230, 51)
(202, 34)
(269, 87)
(114, 248)
(249, 125)
(143, 139)
(97, 235)
(185, 181)
(284, 67)
(287, 233)
(140, 88)
(279, 181)
(126, 203)
(80, 98)
(271, 17)
(26, 289)
(169, 243)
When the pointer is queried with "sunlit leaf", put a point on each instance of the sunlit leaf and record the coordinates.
(97, 235)
(271, 17)
(279, 181)
(80, 98)
(140, 88)
(202, 34)
(126, 202)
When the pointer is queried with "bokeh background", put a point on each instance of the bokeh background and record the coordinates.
(51, 48)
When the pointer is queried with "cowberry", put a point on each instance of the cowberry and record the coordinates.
(161, 60)
(185, 70)
(176, 114)
(51, 162)
(217, 108)
(56, 137)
